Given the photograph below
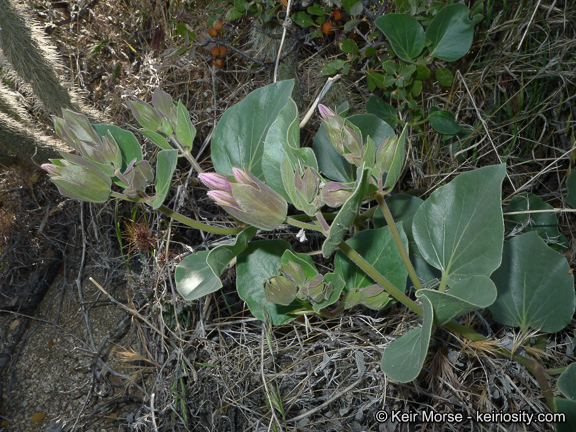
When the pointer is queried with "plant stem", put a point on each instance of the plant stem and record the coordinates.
(377, 277)
(181, 218)
(300, 224)
(398, 241)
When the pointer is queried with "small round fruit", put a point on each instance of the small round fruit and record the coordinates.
(212, 32)
(327, 27)
(352, 35)
(215, 51)
(337, 14)
(217, 25)
(219, 62)
(222, 50)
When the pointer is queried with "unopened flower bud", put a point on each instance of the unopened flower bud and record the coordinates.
(248, 199)
(79, 178)
(335, 194)
(280, 290)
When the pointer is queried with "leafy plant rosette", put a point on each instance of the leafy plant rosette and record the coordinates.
(450, 247)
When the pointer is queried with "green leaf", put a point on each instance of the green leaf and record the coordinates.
(129, 145)
(444, 122)
(568, 407)
(403, 359)
(535, 289)
(467, 295)
(199, 275)
(302, 19)
(185, 130)
(545, 224)
(405, 34)
(422, 72)
(332, 67)
(460, 229)
(567, 382)
(258, 262)
(378, 248)
(194, 277)
(238, 139)
(283, 134)
(233, 14)
(347, 213)
(157, 139)
(349, 46)
(315, 10)
(571, 186)
(416, 88)
(444, 76)
(165, 167)
(451, 33)
(356, 9)
(381, 109)
(219, 257)
(303, 260)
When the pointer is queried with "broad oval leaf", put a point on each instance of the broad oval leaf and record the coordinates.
(199, 275)
(378, 248)
(165, 166)
(451, 33)
(195, 278)
(219, 257)
(545, 224)
(568, 407)
(459, 229)
(571, 186)
(403, 359)
(405, 34)
(238, 139)
(376, 106)
(467, 295)
(258, 262)
(444, 122)
(535, 289)
(567, 382)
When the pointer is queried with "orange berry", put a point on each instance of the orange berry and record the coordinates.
(212, 32)
(327, 27)
(222, 50)
(217, 25)
(337, 14)
(352, 35)
(215, 51)
(219, 62)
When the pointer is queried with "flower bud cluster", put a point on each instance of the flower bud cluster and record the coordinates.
(373, 297)
(161, 116)
(247, 198)
(292, 284)
(88, 174)
(347, 140)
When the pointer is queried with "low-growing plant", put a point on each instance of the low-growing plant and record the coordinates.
(448, 249)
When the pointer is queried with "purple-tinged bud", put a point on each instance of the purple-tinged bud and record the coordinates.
(83, 181)
(216, 181)
(374, 297)
(335, 194)
(280, 290)
(224, 198)
(315, 290)
(325, 112)
(250, 200)
(144, 114)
